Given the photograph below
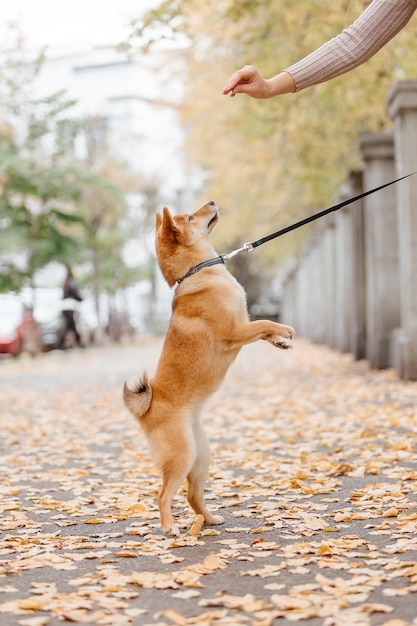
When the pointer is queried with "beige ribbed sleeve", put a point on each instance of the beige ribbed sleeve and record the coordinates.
(377, 25)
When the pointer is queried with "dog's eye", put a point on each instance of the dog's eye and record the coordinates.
(190, 218)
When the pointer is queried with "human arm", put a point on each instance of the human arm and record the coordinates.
(377, 25)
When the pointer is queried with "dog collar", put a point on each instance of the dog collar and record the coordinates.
(201, 266)
(223, 258)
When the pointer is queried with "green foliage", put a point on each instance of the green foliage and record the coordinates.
(38, 189)
(11, 277)
(54, 207)
(36, 201)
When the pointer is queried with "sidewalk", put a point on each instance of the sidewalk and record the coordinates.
(314, 467)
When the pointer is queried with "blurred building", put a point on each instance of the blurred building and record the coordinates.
(133, 108)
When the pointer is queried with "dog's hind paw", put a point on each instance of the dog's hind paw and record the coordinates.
(213, 520)
(172, 531)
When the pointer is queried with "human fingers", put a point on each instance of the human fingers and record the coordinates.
(238, 79)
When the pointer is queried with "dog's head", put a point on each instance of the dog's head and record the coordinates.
(182, 241)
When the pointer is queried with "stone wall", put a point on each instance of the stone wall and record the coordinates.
(354, 286)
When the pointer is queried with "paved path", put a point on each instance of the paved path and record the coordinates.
(314, 468)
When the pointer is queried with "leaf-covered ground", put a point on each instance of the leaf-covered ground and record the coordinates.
(314, 466)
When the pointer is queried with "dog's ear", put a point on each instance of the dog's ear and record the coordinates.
(168, 225)
(158, 221)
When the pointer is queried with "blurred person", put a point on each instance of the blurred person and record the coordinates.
(71, 297)
(29, 333)
(374, 28)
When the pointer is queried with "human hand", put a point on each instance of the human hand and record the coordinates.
(248, 80)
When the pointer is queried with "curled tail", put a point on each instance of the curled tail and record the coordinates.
(137, 396)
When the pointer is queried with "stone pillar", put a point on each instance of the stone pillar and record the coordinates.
(329, 279)
(381, 248)
(315, 296)
(299, 298)
(344, 272)
(321, 280)
(309, 289)
(358, 304)
(303, 293)
(402, 108)
(288, 297)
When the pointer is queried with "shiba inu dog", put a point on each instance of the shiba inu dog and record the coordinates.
(208, 327)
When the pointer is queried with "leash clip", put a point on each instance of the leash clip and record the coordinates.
(247, 247)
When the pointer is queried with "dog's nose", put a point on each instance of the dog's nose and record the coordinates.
(212, 203)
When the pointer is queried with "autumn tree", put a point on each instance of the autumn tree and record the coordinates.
(272, 162)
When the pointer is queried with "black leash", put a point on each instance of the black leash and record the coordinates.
(316, 216)
(250, 246)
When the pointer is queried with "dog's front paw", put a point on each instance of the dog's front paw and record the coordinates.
(286, 332)
(282, 337)
(282, 343)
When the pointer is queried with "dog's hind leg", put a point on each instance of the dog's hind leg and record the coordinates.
(169, 488)
(172, 479)
(175, 468)
(198, 476)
